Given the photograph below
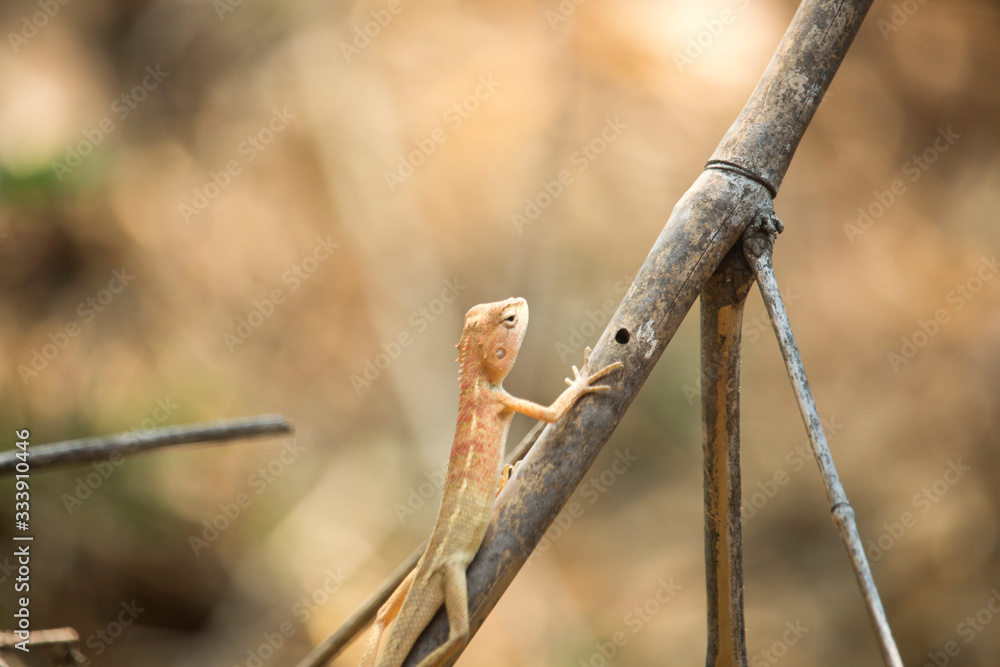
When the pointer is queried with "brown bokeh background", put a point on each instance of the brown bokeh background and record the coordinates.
(242, 181)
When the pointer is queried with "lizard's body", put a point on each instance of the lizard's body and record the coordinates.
(488, 348)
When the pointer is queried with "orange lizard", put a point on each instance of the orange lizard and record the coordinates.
(487, 349)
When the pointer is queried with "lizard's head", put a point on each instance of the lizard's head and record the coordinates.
(492, 336)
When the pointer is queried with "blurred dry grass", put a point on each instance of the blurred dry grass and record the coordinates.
(313, 128)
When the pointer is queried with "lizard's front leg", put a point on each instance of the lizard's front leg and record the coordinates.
(582, 383)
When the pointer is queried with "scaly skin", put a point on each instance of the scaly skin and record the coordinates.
(488, 348)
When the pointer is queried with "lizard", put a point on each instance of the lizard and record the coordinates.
(491, 338)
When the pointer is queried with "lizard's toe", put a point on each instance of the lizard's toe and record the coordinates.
(607, 369)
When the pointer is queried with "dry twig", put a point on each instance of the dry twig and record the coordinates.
(86, 450)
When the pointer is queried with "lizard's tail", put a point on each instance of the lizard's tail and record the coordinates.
(422, 602)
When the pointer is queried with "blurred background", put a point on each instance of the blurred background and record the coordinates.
(227, 208)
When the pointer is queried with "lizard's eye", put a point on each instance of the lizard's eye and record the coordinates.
(510, 320)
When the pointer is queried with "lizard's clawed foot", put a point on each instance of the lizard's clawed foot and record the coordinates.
(588, 379)
(604, 371)
(508, 472)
